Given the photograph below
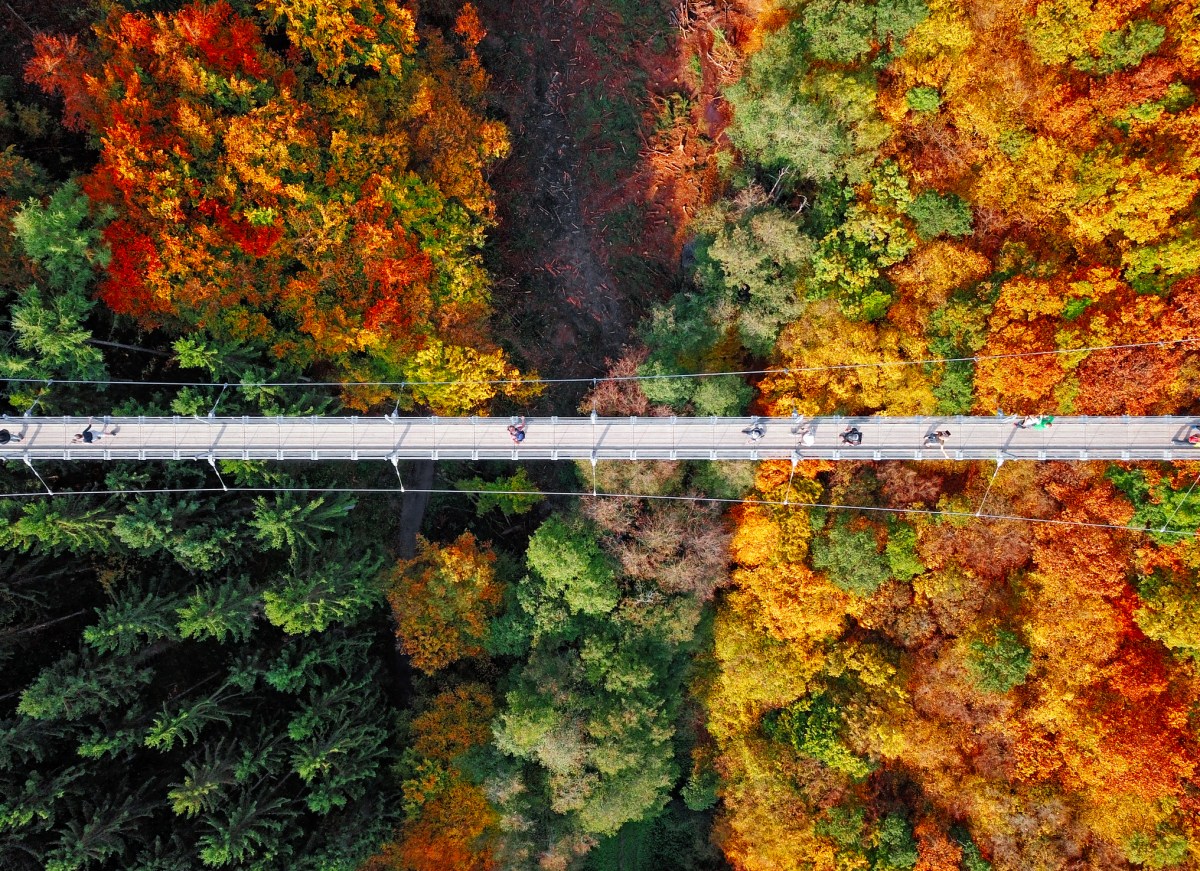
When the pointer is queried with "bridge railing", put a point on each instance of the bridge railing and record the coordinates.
(563, 438)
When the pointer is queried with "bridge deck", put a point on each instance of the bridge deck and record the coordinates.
(605, 438)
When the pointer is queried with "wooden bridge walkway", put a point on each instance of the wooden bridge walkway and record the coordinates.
(602, 438)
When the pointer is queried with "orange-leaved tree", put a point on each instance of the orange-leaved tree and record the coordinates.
(442, 600)
(448, 820)
(294, 202)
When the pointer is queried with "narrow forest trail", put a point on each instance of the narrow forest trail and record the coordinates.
(617, 119)
(554, 292)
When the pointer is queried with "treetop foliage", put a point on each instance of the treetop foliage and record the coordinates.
(324, 206)
(977, 184)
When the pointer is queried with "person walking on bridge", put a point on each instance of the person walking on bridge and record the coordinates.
(517, 431)
(851, 436)
(754, 433)
(6, 437)
(88, 436)
(938, 438)
(1035, 421)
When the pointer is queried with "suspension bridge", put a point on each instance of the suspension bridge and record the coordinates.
(393, 438)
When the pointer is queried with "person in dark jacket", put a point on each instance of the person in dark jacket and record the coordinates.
(90, 436)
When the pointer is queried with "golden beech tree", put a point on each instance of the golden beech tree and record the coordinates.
(442, 600)
(449, 822)
(934, 271)
(826, 338)
(767, 824)
(312, 204)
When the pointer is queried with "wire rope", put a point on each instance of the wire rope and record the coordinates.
(930, 512)
(787, 370)
(1185, 498)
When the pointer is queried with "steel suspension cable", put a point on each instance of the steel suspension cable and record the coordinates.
(779, 370)
(929, 512)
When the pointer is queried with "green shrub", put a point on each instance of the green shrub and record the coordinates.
(1161, 512)
(972, 859)
(1163, 849)
(1124, 48)
(901, 552)
(955, 392)
(839, 30)
(1001, 665)
(571, 565)
(937, 215)
(842, 825)
(851, 559)
(700, 792)
(897, 848)
(723, 479)
(812, 726)
(724, 397)
(923, 99)
(895, 18)
(512, 494)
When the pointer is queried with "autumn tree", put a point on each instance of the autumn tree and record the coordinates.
(442, 600)
(312, 206)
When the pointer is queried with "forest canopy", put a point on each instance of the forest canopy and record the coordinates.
(883, 207)
(322, 206)
(956, 180)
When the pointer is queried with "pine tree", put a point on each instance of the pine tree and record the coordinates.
(221, 612)
(183, 721)
(80, 686)
(97, 834)
(132, 621)
(286, 521)
(321, 594)
(248, 825)
(207, 777)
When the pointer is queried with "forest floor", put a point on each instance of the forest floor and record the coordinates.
(20, 21)
(60, 151)
(616, 122)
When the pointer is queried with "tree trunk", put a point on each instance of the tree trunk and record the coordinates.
(137, 348)
(413, 505)
(7, 636)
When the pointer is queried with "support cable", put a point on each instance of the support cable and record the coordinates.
(791, 370)
(999, 463)
(212, 462)
(395, 415)
(788, 494)
(1180, 505)
(877, 509)
(212, 412)
(29, 463)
